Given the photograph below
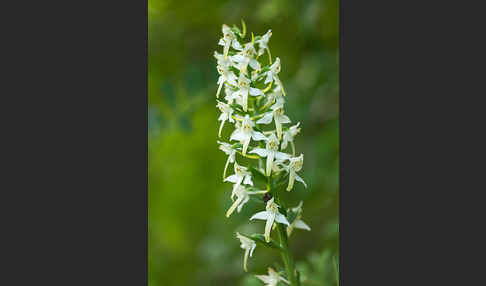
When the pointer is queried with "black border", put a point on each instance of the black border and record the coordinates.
(77, 144)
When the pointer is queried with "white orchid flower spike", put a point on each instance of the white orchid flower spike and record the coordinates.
(254, 100)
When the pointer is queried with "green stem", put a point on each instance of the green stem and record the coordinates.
(287, 256)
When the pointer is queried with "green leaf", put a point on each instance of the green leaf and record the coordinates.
(237, 145)
(281, 181)
(257, 174)
(291, 216)
(256, 199)
(236, 30)
(236, 107)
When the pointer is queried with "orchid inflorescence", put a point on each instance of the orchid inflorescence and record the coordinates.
(254, 98)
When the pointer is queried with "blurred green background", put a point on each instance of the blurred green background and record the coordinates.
(191, 242)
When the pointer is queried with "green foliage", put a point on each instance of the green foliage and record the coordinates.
(320, 269)
(191, 242)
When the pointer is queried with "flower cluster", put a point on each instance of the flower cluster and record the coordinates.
(254, 104)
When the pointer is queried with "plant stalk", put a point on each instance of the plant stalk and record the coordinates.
(287, 256)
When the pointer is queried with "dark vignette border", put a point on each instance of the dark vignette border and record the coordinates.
(76, 185)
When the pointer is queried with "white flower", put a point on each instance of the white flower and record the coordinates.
(241, 175)
(229, 39)
(276, 166)
(263, 42)
(244, 89)
(277, 114)
(272, 73)
(226, 114)
(243, 196)
(245, 58)
(288, 136)
(271, 214)
(231, 95)
(272, 278)
(225, 76)
(255, 75)
(298, 222)
(244, 133)
(294, 166)
(271, 152)
(248, 245)
(228, 150)
(275, 96)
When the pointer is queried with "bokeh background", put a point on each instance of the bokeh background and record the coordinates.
(191, 242)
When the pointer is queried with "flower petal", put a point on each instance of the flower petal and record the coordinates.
(238, 135)
(280, 218)
(258, 136)
(245, 260)
(238, 58)
(254, 64)
(243, 202)
(282, 156)
(301, 224)
(236, 45)
(284, 119)
(245, 142)
(268, 225)
(233, 207)
(265, 278)
(232, 78)
(263, 215)
(298, 178)
(266, 119)
(270, 157)
(248, 180)
(233, 179)
(260, 151)
(221, 126)
(291, 181)
(253, 245)
(269, 77)
(255, 91)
